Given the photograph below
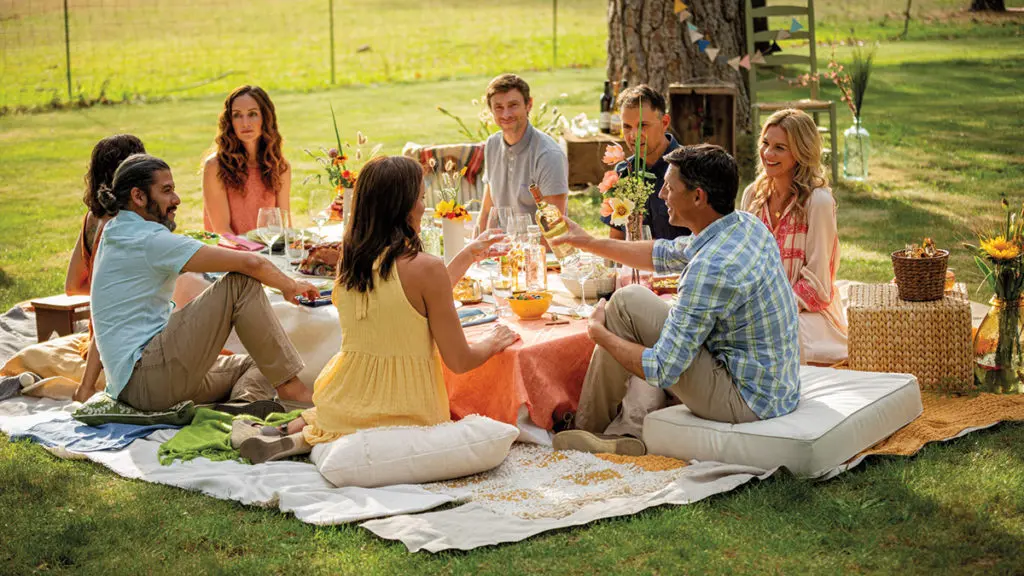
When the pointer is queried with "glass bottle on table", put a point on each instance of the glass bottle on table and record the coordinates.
(535, 261)
(605, 122)
(552, 224)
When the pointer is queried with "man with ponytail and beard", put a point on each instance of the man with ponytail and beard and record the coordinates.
(154, 359)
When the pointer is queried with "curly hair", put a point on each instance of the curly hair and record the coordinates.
(107, 155)
(231, 155)
(805, 143)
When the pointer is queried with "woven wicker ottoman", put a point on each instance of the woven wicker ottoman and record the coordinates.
(931, 340)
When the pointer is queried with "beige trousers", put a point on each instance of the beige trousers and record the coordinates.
(638, 315)
(183, 362)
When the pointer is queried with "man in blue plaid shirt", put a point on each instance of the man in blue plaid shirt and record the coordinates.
(728, 348)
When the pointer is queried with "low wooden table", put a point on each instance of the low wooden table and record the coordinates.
(59, 314)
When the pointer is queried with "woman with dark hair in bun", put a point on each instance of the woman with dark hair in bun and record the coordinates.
(107, 155)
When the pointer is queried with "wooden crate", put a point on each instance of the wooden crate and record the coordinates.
(931, 340)
(584, 155)
(704, 113)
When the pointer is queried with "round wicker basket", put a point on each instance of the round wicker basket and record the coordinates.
(920, 279)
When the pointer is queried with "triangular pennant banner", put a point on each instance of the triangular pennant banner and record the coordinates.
(757, 58)
(794, 26)
(679, 6)
(774, 48)
(702, 45)
(690, 26)
(782, 35)
(684, 15)
(711, 52)
(693, 36)
(745, 62)
(735, 63)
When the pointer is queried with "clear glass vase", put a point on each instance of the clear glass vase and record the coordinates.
(998, 355)
(856, 152)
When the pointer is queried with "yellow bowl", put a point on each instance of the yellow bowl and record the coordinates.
(530, 309)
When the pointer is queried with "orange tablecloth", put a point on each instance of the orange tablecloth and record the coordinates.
(544, 370)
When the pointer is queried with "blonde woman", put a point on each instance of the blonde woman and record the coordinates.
(792, 197)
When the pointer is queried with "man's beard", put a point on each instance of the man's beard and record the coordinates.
(153, 209)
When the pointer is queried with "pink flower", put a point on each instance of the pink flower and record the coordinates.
(606, 208)
(613, 154)
(611, 178)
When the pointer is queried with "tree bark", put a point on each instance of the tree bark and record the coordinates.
(647, 44)
(994, 5)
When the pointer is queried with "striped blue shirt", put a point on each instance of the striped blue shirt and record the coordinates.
(735, 299)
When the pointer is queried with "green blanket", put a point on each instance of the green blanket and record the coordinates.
(209, 436)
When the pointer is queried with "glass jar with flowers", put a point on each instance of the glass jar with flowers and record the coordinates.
(853, 85)
(453, 214)
(625, 197)
(998, 354)
(340, 172)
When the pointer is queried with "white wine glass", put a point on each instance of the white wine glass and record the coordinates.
(500, 221)
(585, 266)
(269, 227)
(319, 208)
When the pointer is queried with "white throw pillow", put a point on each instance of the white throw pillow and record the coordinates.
(415, 454)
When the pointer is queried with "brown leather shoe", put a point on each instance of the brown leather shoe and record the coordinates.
(584, 441)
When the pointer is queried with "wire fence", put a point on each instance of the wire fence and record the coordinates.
(55, 52)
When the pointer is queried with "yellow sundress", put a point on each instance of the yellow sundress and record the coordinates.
(388, 372)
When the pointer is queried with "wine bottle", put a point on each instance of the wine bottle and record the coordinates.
(616, 115)
(551, 223)
(605, 122)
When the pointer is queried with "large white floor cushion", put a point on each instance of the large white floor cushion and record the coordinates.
(841, 413)
(415, 454)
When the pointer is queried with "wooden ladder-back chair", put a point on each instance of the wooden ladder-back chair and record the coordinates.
(813, 106)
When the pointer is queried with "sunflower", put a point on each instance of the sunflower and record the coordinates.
(1000, 249)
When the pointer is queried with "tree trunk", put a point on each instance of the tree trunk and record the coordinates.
(647, 44)
(994, 5)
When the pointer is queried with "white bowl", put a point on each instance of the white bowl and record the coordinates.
(595, 287)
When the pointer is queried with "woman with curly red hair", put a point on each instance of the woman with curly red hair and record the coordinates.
(247, 170)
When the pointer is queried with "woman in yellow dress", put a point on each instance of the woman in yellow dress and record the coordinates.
(397, 320)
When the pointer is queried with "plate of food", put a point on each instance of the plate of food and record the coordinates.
(322, 260)
(208, 238)
(665, 284)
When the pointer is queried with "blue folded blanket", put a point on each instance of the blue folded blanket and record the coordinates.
(73, 435)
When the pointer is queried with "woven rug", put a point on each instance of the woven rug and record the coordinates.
(948, 417)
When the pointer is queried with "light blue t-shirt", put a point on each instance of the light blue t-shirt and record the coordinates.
(133, 278)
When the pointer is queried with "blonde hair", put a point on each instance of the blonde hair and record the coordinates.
(805, 144)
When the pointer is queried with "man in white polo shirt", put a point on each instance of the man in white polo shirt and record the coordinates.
(520, 154)
(154, 359)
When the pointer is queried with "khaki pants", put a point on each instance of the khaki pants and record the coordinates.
(183, 362)
(638, 315)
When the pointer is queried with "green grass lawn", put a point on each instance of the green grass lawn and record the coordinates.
(945, 115)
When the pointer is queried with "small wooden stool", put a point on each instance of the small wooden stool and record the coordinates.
(59, 314)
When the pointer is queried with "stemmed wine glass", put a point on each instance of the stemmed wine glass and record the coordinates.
(586, 265)
(500, 221)
(319, 209)
(269, 227)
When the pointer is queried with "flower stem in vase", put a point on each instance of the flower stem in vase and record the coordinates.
(634, 232)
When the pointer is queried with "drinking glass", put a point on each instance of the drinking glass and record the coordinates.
(320, 209)
(500, 221)
(585, 271)
(521, 222)
(294, 243)
(501, 289)
(269, 227)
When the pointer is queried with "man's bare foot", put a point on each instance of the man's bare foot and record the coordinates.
(295, 391)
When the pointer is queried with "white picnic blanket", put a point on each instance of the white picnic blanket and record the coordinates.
(533, 491)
